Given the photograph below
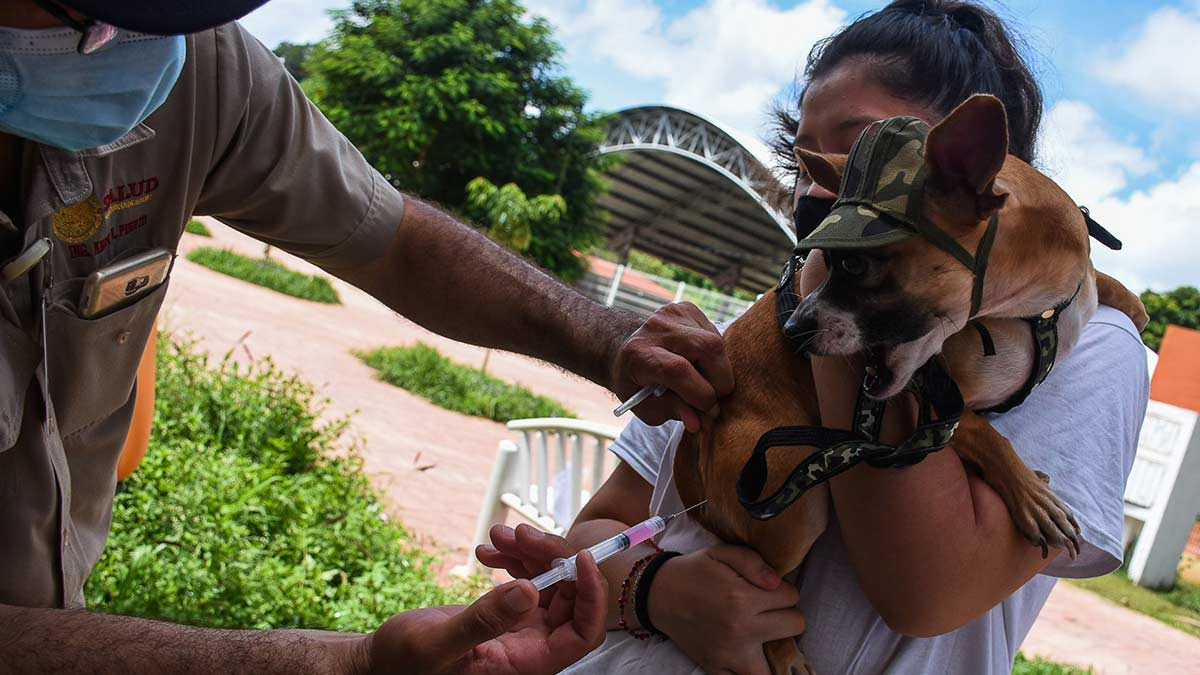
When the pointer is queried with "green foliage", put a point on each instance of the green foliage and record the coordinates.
(512, 217)
(1178, 606)
(438, 92)
(197, 228)
(1036, 666)
(266, 273)
(426, 373)
(239, 516)
(1180, 307)
(294, 56)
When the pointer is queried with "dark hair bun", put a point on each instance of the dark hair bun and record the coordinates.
(937, 53)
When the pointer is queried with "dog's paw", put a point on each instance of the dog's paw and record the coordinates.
(785, 658)
(1043, 518)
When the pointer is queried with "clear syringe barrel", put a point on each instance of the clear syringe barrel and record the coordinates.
(563, 569)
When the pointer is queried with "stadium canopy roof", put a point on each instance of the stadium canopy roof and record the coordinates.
(688, 193)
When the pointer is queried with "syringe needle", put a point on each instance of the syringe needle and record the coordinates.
(675, 515)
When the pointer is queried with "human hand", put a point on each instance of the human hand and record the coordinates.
(680, 349)
(510, 630)
(721, 604)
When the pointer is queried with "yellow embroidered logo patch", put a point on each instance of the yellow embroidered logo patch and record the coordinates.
(78, 222)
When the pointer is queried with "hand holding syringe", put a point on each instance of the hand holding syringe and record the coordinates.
(563, 569)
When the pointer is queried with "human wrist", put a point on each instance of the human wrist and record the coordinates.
(660, 595)
(644, 584)
(353, 656)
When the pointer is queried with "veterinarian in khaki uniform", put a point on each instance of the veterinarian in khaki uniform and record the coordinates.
(111, 139)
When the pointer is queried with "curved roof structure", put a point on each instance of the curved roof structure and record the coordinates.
(688, 193)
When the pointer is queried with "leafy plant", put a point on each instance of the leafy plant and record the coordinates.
(1035, 666)
(247, 513)
(437, 92)
(197, 228)
(266, 273)
(422, 370)
(1180, 307)
(511, 217)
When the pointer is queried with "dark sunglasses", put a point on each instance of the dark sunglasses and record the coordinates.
(94, 34)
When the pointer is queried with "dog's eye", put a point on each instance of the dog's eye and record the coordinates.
(853, 265)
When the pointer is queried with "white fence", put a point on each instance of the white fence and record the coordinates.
(642, 293)
(1162, 495)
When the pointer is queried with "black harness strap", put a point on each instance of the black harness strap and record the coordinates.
(1045, 351)
(1096, 231)
(839, 450)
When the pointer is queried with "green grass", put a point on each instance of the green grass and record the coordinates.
(428, 374)
(1178, 607)
(240, 517)
(198, 228)
(1036, 666)
(266, 273)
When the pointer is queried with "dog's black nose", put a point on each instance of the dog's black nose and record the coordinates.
(801, 326)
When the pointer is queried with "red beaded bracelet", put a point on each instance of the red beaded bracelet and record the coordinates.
(626, 587)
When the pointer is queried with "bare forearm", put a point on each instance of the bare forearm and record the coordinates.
(54, 640)
(586, 533)
(934, 546)
(456, 282)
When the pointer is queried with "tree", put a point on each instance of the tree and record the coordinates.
(438, 92)
(294, 56)
(512, 217)
(1180, 307)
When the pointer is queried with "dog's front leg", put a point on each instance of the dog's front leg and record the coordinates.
(784, 657)
(1040, 516)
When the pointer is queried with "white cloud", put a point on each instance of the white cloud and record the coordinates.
(1080, 153)
(1156, 224)
(1159, 62)
(293, 21)
(725, 59)
(1158, 228)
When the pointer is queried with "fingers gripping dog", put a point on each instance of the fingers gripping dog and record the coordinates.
(940, 243)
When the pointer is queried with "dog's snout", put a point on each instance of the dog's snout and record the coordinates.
(802, 323)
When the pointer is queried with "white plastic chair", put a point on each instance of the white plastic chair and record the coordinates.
(541, 476)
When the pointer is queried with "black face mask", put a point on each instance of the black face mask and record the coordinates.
(809, 213)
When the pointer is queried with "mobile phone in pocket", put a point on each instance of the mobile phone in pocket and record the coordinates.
(123, 282)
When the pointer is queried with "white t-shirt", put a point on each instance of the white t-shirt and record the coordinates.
(1080, 426)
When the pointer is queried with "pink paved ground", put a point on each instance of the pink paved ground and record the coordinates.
(434, 464)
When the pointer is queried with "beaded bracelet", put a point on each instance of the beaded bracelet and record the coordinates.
(623, 599)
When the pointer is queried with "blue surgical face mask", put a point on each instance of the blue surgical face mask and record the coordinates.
(51, 94)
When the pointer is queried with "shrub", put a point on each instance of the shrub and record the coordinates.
(426, 373)
(1036, 666)
(197, 228)
(266, 273)
(241, 517)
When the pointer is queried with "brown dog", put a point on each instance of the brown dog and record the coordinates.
(900, 302)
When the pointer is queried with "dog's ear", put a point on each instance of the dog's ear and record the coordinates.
(968, 148)
(823, 170)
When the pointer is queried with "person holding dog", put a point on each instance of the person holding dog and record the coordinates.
(920, 569)
(118, 121)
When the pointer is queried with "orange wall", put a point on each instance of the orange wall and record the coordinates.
(1177, 375)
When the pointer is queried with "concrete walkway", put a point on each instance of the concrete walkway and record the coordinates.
(434, 464)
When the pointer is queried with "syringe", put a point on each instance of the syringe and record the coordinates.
(642, 394)
(563, 569)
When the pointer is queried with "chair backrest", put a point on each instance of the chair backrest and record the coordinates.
(555, 455)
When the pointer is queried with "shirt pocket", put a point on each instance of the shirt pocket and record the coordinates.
(18, 360)
(93, 362)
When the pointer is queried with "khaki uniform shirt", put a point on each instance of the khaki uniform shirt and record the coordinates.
(236, 139)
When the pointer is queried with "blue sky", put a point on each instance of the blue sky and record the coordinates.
(1122, 82)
